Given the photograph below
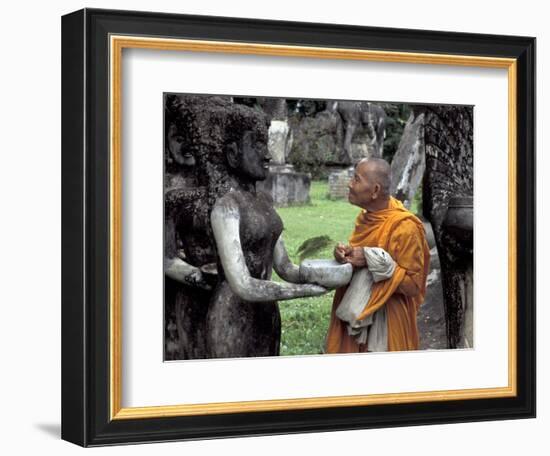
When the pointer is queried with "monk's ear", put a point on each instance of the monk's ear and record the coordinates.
(376, 191)
(232, 154)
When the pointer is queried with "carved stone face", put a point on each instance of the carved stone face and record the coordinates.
(256, 155)
(176, 147)
(250, 159)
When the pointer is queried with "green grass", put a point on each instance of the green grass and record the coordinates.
(305, 321)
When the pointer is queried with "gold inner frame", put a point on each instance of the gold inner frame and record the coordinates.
(117, 44)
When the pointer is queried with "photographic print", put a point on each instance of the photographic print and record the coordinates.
(310, 226)
(304, 192)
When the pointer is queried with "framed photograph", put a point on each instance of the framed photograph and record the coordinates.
(277, 227)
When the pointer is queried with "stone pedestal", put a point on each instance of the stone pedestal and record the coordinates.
(286, 186)
(338, 183)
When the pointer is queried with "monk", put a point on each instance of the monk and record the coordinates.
(384, 223)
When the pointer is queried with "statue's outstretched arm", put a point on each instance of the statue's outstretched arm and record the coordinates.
(225, 220)
(286, 269)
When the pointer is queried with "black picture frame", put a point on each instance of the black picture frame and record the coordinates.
(86, 390)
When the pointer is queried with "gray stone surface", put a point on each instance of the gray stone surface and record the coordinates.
(286, 186)
(317, 140)
(409, 162)
(468, 333)
(364, 129)
(338, 183)
(449, 174)
(431, 315)
(327, 273)
(280, 141)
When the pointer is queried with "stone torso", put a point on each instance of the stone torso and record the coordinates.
(237, 328)
(260, 227)
(186, 211)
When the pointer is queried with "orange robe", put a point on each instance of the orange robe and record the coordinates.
(402, 235)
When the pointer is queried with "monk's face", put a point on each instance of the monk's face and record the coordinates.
(363, 189)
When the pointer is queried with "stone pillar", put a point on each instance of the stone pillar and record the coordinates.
(447, 203)
(409, 162)
(280, 141)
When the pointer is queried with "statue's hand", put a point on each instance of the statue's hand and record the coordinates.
(197, 279)
(314, 290)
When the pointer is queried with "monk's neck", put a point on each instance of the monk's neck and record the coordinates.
(378, 205)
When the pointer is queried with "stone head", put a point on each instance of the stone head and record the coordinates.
(211, 132)
(246, 148)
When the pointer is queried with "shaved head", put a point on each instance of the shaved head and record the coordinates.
(378, 171)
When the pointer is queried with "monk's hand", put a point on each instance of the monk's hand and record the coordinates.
(340, 252)
(356, 257)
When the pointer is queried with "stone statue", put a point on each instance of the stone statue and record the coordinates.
(189, 257)
(244, 319)
(447, 202)
(362, 115)
(217, 152)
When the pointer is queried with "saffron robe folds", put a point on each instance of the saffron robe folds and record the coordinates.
(402, 235)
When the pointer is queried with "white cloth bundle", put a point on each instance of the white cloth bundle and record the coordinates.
(373, 330)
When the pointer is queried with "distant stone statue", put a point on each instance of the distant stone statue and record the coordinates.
(362, 115)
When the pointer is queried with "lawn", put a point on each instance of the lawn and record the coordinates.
(305, 321)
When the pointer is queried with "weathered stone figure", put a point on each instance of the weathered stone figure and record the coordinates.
(217, 151)
(243, 318)
(369, 116)
(188, 247)
(448, 203)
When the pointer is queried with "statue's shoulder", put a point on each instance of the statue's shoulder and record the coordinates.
(230, 200)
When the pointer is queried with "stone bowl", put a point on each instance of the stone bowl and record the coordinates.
(327, 273)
